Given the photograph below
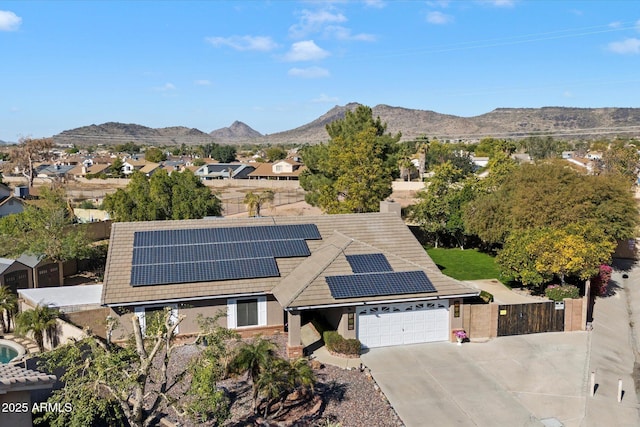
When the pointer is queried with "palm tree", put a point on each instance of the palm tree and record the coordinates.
(38, 321)
(255, 201)
(8, 307)
(281, 377)
(253, 358)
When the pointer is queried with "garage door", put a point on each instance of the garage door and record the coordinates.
(407, 323)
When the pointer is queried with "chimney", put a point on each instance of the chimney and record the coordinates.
(389, 206)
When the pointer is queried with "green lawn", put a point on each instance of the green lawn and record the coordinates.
(468, 264)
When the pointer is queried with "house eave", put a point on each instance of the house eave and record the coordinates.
(389, 301)
(179, 300)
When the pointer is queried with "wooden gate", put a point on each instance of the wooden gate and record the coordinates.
(520, 319)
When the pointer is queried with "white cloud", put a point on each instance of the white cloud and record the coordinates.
(567, 94)
(378, 4)
(439, 3)
(255, 43)
(438, 18)
(626, 47)
(309, 73)
(498, 3)
(9, 21)
(314, 21)
(343, 33)
(202, 82)
(167, 87)
(325, 99)
(616, 24)
(305, 51)
(638, 25)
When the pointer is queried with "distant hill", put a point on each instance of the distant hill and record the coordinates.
(237, 131)
(559, 122)
(120, 133)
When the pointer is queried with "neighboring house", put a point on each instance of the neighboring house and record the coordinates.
(150, 168)
(55, 171)
(480, 162)
(9, 203)
(364, 274)
(81, 171)
(16, 386)
(282, 170)
(224, 171)
(130, 165)
(594, 155)
(568, 154)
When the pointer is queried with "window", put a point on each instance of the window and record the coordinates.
(247, 312)
(243, 312)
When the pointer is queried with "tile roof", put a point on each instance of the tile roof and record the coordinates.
(16, 378)
(302, 279)
(266, 169)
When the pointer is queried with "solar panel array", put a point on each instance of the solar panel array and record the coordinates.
(369, 263)
(214, 254)
(379, 284)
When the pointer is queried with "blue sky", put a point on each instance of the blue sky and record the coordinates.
(277, 65)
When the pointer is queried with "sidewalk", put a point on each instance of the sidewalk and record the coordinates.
(613, 353)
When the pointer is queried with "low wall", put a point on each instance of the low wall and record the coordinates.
(407, 185)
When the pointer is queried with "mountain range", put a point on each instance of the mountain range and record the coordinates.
(560, 122)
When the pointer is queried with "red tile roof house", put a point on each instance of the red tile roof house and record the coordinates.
(364, 274)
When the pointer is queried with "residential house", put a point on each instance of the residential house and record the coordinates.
(53, 171)
(15, 275)
(81, 170)
(364, 274)
(16, 385)
(9, 203)
(130, 165)
(224, 171)
(283, 170)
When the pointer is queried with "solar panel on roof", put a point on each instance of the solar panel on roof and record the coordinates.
(369, 263)
(379, 284)
(225, 235)
(159, 274)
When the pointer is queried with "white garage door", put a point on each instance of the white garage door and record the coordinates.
(406, 323)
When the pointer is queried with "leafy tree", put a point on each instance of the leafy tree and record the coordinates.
(45, 230)
(225, 153)
(154, 154)
(255, 201)
(552, 194)
(8, 307)
(116, 168)
(352, 172)
(38, 321)
(536, 255)
(623, 160)
(280, 377)
(542, 147)
(163, 196)
(27, 153)
(130, 148)
(440, 209)
(488, 147)
(275, 153)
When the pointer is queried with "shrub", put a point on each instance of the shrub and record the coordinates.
(338, 344)
(559, 293)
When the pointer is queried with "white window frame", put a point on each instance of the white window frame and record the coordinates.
(141, 311)
(232, 312)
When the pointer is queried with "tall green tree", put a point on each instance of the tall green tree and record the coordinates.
(163, 196)
(46, 229)
(353, 171)
(154, 154)
(38, 321)
(623, 160)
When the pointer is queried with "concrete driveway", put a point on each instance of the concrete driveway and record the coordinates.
(528, 380)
